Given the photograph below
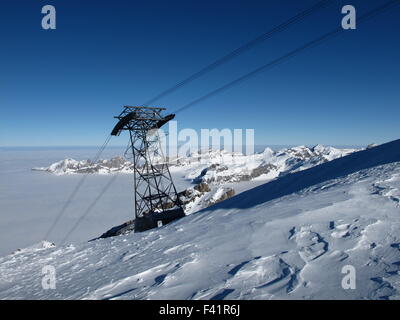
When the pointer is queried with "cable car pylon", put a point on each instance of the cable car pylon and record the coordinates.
(156, 199)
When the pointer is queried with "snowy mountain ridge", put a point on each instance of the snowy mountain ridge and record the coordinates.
(269, 162)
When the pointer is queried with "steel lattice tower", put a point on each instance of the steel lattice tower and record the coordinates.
(155, 196)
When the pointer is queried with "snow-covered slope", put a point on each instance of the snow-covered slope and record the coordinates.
(289, 238)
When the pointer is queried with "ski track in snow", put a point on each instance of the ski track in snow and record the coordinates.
(291, 247)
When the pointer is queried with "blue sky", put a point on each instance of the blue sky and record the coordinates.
(63, 87)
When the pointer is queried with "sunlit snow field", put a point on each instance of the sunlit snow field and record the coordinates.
(289, 238)
(286, 239)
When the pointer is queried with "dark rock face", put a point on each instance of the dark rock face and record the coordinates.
(202, 187)
(124, 228)
(262, 170)
(144, 223)
(157, 219)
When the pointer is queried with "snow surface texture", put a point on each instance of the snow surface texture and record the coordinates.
(288, 238)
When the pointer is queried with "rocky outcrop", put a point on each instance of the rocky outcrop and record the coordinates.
(220, 195)
(220, 173)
